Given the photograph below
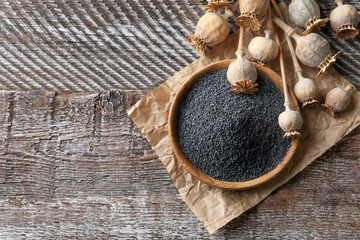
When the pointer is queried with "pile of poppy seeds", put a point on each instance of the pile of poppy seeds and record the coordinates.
(232, 137)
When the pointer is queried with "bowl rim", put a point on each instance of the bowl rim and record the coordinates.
(174, 137)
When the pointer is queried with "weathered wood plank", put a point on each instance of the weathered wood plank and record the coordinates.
(47, 133)
(92, 46)
(74, 166)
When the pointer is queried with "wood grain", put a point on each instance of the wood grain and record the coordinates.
(74, 166)
(92, 46)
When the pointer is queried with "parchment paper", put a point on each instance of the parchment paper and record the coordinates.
(216, 207)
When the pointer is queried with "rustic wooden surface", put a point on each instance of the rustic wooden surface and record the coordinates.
(74, 166)
(86, 46)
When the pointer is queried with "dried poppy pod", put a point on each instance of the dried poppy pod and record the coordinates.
(306, 14)
(290, 122)
(344, 20)
(211, 30)
(250, 13)
(306, 91)
(312, 50)
(263, 49)
(337, 100)
(242, 75)
(216, 5)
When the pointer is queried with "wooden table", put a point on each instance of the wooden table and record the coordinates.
(74, 166)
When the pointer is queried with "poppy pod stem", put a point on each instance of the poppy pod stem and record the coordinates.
(269, 25)
(348, 88)
(297, 67)
(290, 121)
(229, 12)
(240, 50)
(289, 31)
(339, 2)
(305, 89)
(268, 33)
(282, 67)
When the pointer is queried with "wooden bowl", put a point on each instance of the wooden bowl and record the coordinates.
(174, 137)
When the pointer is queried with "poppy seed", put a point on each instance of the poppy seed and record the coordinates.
(232, 137)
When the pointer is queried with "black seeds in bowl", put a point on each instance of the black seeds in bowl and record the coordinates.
(232, 137)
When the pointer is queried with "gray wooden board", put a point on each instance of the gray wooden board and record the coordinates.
(74, 166)
(92, 46)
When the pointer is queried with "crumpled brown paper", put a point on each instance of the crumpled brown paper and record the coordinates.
(216, 207)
